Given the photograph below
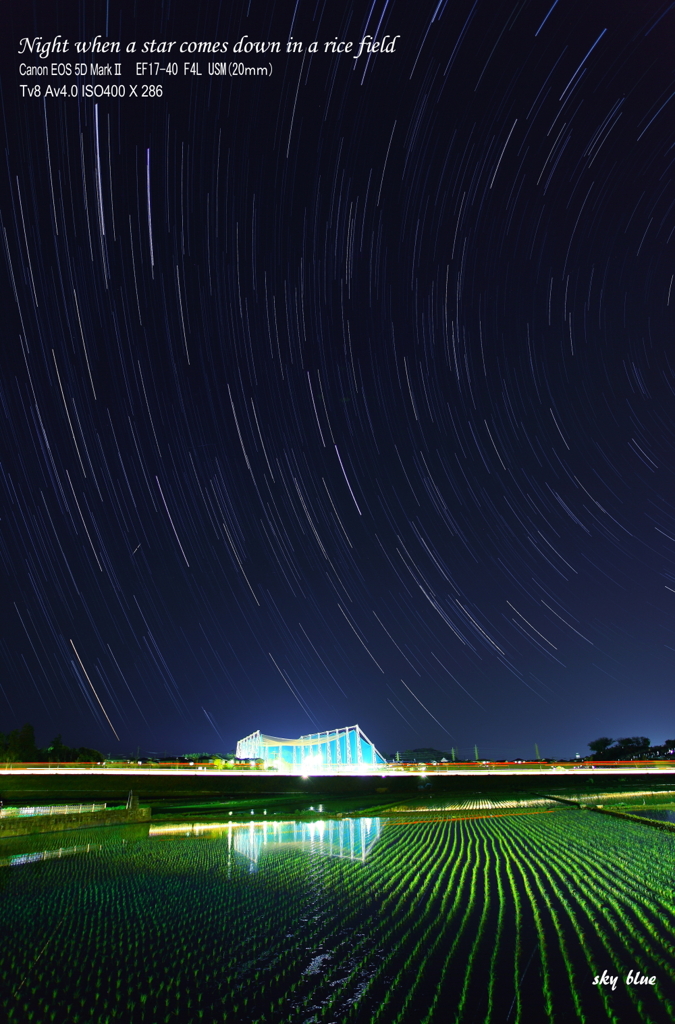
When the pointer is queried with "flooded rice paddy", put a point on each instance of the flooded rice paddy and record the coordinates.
(472, 910)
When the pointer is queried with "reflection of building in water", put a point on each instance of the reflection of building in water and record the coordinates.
(348, 747)
(16, 859)
(352, 838)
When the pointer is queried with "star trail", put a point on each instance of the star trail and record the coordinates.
(342, 393)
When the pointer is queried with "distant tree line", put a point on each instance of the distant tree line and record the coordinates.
(628, 748)
(19, 745)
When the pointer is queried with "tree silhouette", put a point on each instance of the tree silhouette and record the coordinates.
(600, 745)
(19, 745)
(633, 743)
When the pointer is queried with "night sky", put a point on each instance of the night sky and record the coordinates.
(341, 394)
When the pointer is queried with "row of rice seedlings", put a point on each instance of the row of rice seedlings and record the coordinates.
(501, 904)
(428, 877)
(574, 920)
(457, 904)
(538, 890)
(627, 916)
(468, 971)
(504, 897)
(498, 804)
(488, 862)
(161, 929)
(631, 917)
(517, 958)
(421, 857)
(526, 865)
(418, 866)
(544, 860)
(455, 859)
(484, 804)
(470, 866)
(532, 879)
(634, 895)
(473, 804)
(449, 966)
(152, 977)
(24, 956)
(522, 847)
(510, 850)
(627, 796)
(383, 934)
(310, 981)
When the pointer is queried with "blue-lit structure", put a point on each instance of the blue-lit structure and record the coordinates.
(335, 748)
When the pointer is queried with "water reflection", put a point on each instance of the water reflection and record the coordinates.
(349, 838)
(654, 815)
(17, 859)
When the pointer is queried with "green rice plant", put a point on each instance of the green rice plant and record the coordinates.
(607, 894)
(455, 885)
(431, 924)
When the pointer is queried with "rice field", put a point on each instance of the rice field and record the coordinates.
(469, 916)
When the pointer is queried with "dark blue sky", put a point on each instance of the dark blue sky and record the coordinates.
(345, 393)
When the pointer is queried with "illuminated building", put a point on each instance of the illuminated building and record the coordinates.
(336, 748)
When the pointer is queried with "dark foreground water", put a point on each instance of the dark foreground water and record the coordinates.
(655, 815)
(503, 916)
